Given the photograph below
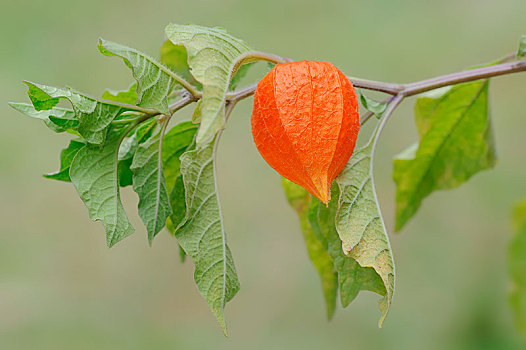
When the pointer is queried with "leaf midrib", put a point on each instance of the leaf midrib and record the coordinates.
(448, 134)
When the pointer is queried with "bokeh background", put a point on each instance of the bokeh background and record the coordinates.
(62, 288)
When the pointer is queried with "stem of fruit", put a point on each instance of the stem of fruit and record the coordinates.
(385, 117)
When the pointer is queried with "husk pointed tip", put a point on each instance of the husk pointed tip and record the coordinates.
(323, 197)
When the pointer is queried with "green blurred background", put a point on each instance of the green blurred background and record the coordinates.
(62, 288)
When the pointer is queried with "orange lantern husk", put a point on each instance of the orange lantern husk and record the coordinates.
(305, 123)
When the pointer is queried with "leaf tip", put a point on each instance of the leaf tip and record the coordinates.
(330, 314)
(223, 327)
(13, 105)
(101, 44)
(382, 319)
(399, 223)
(28, 83)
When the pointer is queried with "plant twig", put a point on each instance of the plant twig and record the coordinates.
(385, 117)
(185, 100)
(398, 91)
(463, 76)
(416, 87)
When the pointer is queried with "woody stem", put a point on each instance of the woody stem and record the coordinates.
(418, 86)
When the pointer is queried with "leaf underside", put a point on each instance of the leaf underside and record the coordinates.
(45, 115)
(94, 174)
(155, 82)
(149, 183)
(212, 56)
(360, 225)
(352, 215)
(202, 234)
(94, 116)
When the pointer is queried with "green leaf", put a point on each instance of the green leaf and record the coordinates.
(377, 108)
(176, 142)
(128, 148)
(128, 96)
(171, 229)
(139, 135)
(178, 203)
(196, 115)
(66, 157)
(124, 172)
(352, 278)
(94, 172)
(94, 116)
(155, 82)
(300, 200)
(456, 142)
(176, 59)
(202, 234)
(182, 254)
(150, 185)
(45, 115)
(65, 123)
(213, 56)
(517, 266)
(360, 225)
(240, 74)
(522, 47)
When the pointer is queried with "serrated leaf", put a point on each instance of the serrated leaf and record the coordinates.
(377, 108)
(202, 235)
(212, 57)
(94, 116)
(521, 52)
(300, 200)
(456, 142)
(517, 266)
(66, 157)
(155, 82)
(56, 112)
(150, 185)
(94, 172)
(360, 225)
(128, 96)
